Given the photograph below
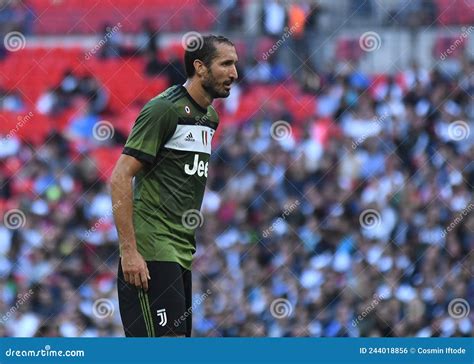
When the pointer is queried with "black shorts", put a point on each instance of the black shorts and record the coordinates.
(164, 310)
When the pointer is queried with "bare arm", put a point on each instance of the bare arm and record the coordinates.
(134, 266)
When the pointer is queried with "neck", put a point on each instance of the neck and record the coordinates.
(198, 94)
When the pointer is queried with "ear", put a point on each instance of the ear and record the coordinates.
(200, 67)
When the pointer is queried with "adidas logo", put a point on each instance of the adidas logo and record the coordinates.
(189, 138)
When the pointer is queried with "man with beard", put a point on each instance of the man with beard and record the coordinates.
(157, 190)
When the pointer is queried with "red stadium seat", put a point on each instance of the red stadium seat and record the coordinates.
(455, 12)
(454, 45)
(105, 159)
(87, 17)
(49, 65)
(348, 49)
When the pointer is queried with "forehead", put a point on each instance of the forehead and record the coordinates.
(225, 51)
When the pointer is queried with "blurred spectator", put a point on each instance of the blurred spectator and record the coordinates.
(148, 38)
(312, 17)
(69, 83)
(153, 65)
(112, 39)
(175, 71)
(15, 15)
(49, 102)
(257, 72)
(81, 125)
(96, 95)
(273, 18)
(309, 78)
(230, 15)
(12, 101)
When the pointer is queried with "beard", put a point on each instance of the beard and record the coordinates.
(210, 85)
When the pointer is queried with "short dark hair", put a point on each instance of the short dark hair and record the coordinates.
(202, 48)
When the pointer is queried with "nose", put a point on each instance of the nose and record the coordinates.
(234, 73)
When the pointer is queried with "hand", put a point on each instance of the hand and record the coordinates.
(135, 269)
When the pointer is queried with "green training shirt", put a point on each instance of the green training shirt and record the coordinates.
(172, 138)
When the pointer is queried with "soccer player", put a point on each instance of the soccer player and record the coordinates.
(157, 181)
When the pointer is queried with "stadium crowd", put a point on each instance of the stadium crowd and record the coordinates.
(356, 221)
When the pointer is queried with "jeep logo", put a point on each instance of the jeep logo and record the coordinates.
(198, 167)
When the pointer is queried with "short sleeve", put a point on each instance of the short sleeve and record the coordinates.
(154, 125)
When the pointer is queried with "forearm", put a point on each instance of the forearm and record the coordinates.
(122, 200)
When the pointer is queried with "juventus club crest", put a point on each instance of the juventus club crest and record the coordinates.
(162, 316)
(206, 136)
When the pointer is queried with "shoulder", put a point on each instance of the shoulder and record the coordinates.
(164, 101)
(159, 103)
(160, 107)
